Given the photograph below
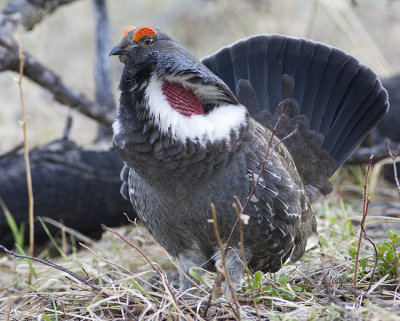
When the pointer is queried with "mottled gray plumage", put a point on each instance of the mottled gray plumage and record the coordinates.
(174, 175)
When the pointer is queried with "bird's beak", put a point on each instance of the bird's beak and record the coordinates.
(117, 51)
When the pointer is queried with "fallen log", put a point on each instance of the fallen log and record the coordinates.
(73, 185)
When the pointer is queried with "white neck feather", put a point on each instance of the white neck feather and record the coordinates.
(215, 125)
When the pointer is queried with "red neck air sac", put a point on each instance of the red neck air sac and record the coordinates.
(182, 100)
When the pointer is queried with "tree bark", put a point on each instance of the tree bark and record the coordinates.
(76, 186)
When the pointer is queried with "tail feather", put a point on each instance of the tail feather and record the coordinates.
(314, 82)
(239, 58)
(302, 74)
(223, 67)
(258, 84)
(276, 47)
(358, 129)
(333, 81)
(359, 113)
(341, 98)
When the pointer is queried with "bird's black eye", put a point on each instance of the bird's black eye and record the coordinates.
(147, 41)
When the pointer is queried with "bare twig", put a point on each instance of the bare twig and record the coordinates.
(51, 264)
(364, 216)
(394, 156)
(237, 198)
(208, 302)
(223, 259)
(238, 210)
(217, 291)
(375, 250)
(26, 158)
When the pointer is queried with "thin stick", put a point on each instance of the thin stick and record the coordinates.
(239, 208)
(223, 258)
(373, 245)
(51, 264)
(364, 216)
(26, 157)
(394, 156)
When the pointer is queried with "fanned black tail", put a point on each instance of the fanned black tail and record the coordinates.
(341, 99)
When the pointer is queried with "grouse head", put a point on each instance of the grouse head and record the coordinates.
(172, 92)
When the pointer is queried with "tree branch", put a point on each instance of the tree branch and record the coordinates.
(104, 93)
(63, 93)
(24, 13)
(27, 14)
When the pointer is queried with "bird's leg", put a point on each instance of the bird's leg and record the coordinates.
(185, 282)
(234, 263)
(186, 261)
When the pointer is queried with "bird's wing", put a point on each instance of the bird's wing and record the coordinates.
(280, 216)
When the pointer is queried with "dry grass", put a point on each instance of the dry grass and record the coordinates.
(320, 287)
